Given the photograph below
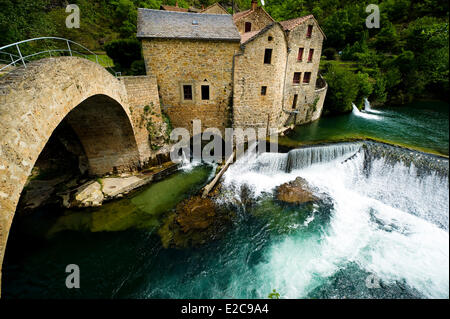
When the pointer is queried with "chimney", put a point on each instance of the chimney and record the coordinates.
(254, 4)
(203, 7)
(176, 4)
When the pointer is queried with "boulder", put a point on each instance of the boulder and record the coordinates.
(297, 191)
(196, 221)
(196, 213)
(87, 195)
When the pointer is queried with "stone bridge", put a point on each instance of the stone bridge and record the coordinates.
(33, 102)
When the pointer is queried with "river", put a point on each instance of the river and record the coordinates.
(379, 228)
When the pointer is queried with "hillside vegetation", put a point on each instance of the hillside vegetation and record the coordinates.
(407, 58)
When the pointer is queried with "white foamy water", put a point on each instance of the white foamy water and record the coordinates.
(389, 221)
(366, 115)
(368, 107)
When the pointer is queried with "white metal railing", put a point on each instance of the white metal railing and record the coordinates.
(12, 55)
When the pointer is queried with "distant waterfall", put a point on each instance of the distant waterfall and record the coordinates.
(364, 114)
(368, 107)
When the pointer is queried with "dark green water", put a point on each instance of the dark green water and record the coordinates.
(381, 219)
(420, 125)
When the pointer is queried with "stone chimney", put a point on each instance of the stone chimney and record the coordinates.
(176, 4)
(254, 4)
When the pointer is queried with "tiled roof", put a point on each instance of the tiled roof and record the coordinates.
(243, 14)
(288, 25)
(172, 8)
(248, 35)
(186, 25)
(194, 9)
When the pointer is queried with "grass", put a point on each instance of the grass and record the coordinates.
(103, 60)
(349, 65)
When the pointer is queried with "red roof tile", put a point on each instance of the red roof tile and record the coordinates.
(172, 8)
(288, 25)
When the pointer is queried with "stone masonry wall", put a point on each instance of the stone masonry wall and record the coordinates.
(187, 62)
(257, 17)
(215, 9)
(306, 92)
(250, 107)
(143, 101)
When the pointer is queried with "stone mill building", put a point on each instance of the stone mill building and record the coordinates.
(242, 70)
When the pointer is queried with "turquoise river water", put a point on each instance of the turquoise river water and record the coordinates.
(378, 229)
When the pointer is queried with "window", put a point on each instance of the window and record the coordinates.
(270, 38)
(297, 77)
(268, 56)
(294, 103)
(300, 54)
(248, 26)
(307, 77)
(309, 32)
(263, 90)
(187, 92)
(310, 56)
(205, 92)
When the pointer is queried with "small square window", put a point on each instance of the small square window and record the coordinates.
(297, 76)
(187, 92)
(270, 38)
(268, 56)
(205, 92)
(307, 77)
(263, 90)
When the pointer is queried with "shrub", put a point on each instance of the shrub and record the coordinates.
(124, 52)
(330, 53)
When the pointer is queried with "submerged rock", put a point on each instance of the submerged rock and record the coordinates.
(297, 191)
(196, 221)
(196, 213)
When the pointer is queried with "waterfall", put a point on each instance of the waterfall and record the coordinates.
(410, 181)
(389, 216)
(364, 114)
(305, 157)
(368, 107)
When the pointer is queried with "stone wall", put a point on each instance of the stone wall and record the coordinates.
(250, 107)
(258, 18)
(143, 101)
(215, 9)
(177, 62)
(305, 92)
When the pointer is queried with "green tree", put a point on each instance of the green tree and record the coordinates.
(343, 88)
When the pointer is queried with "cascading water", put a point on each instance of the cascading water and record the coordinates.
(368, 107)
(366, 115)
(389, 221)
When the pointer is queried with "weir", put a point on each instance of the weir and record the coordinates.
(407, 180)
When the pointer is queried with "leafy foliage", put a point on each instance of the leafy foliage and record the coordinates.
(127, 56)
